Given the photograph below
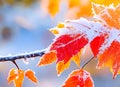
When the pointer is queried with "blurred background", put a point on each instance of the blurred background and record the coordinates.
(24, 28)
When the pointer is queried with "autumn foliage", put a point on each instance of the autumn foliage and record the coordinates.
(101, 32)
(71, 35)
(17, 76)
(79, 78)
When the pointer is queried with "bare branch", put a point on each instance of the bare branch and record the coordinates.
(22, 56)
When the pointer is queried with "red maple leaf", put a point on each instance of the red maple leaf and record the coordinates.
(68, 45)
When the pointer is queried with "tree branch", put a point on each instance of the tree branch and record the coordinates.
(22, 56)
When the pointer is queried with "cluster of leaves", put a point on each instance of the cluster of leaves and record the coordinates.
(102, 34)
(73, 35)
(17, 75)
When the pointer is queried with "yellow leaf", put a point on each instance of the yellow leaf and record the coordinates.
(73, 3)
(60, 25)
(12, 75)
(54, 31)
(53, 7)
(61, 66)
(76, 58)
(57, 29)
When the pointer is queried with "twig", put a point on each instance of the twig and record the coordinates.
(22, 56)
(87, 62)
(15, 64)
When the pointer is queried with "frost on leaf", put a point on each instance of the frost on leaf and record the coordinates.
(111, 58)
(79, 78)
(71, 37)
(68, 45)
(17, 76)
(100, 33)
(97, 42)
(31, 75)
(109, 51)
(110, 15)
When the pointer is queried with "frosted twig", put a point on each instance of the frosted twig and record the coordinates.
(22, 56)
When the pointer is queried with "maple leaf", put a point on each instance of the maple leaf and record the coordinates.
(79, 78)
(71, 38)
(51, 6)
(76, 58)
(60, 51)
(31, 75)
(65, 43)
(47, 58)
(73, 35)
(97, 42)
(109, 15)
(12, 75)
(61, 66)
(17, 76)
(109, 55)
(110, 58)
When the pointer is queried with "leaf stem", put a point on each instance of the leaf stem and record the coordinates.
(87, 62)
(15, 64)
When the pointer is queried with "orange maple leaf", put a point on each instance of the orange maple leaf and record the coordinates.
(110, 55)
(17, 76)
(110, 15)
(110, 58)
(79, 78)
(31, 75)
(47, 58)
